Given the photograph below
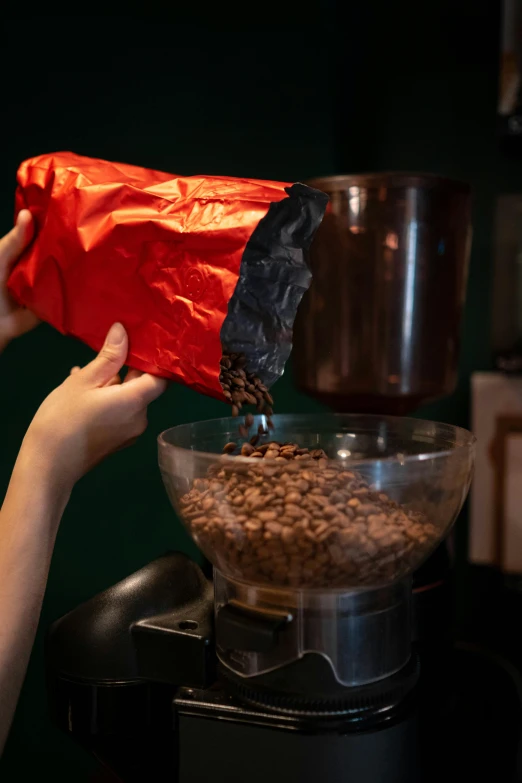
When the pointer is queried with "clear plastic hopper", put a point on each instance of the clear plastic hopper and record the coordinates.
(326, 542)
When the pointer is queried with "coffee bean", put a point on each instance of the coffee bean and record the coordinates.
(267, 516)
(367, 509)
(229, 448)
(361, 492)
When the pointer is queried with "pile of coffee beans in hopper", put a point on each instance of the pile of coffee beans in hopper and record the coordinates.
(290, 517)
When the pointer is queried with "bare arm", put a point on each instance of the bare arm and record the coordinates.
(29, 517)
(88, 417)
(29, 522)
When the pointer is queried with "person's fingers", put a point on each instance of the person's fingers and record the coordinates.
(132, 374)
(15, 242)
(111, 358)
(144, 389)
(19, 322)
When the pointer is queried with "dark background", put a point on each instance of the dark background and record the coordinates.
(297, 93)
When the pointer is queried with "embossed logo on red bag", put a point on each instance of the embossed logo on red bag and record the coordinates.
(194, 283)
(166, 265)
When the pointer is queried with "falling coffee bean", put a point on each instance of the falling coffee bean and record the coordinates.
(239, 385)
(243, 388)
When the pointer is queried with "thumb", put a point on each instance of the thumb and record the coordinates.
(111, 358)
(13, 244)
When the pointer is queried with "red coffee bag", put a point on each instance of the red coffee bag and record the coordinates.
(191, 266)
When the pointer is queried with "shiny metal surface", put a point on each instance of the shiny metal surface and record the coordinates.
(378, 331)
(365, 635)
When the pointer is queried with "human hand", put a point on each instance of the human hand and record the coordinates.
(91, 415)
(14, 320)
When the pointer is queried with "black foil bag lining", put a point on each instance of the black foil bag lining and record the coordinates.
(274, 276)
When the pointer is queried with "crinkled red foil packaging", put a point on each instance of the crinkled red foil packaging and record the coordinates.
(191, 266)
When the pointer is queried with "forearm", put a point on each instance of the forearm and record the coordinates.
(29, 521)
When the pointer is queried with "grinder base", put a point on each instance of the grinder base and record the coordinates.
(307, 688)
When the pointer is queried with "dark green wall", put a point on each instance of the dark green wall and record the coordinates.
(376, 88)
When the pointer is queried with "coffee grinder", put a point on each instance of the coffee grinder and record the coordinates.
(169, 676)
